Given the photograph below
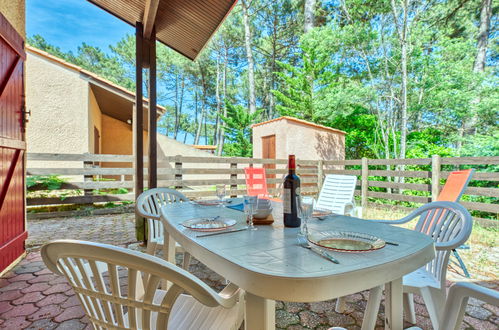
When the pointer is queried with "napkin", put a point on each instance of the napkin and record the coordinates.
(237, 207)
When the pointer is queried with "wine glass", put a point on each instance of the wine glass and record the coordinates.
(249, 210)
(305, 206)
(221, 193)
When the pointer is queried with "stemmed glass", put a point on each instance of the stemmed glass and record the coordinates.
(221, 193)
(249, 210)
(305, 209)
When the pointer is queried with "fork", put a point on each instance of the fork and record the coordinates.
(305, 244)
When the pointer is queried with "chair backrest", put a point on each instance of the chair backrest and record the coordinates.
(256, 181)
(455, 186)
(450, 225)
(149, 205)
(119, 288)
(337, 190)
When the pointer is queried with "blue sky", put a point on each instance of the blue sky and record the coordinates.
(68, 23)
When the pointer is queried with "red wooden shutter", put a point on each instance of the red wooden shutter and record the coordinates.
(12, 145)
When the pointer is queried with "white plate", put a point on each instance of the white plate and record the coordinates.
(345, 241)
(209, 224)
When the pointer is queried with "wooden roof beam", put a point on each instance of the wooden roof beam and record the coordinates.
(151, 8)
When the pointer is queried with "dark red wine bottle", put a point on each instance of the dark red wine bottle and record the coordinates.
(290, 194)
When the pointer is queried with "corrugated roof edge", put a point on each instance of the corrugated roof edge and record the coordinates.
(91, 75)
(300, 121)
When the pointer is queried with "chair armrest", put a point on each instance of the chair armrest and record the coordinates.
(231, 295)
(403, 220)
(346, 205)
(391, 222)
(145, 214)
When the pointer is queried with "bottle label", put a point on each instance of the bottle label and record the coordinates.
(286, 201)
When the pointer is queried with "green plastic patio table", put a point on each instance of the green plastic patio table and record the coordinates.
(269, 264)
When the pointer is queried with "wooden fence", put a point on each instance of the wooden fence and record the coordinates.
(381, 182)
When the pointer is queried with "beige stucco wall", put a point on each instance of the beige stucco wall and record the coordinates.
(117, 137)
(14, 11)
(277, 128)
(95, 120)
(304, 141)
(58, 101)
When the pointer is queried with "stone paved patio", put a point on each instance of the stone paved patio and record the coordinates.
(31, 297)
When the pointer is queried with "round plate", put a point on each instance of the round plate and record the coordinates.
(209, 224)
(346, 241)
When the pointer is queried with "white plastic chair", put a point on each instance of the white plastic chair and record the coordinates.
(118, 289)
(149, 205)
(337, 194)
(457, 300)
(449, 224)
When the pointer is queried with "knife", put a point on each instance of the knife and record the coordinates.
(222, 232)
(322, 253)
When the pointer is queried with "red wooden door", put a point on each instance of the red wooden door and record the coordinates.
(12, 145)
(268, 151)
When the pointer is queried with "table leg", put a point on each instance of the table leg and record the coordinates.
(260, 313)
(393, 305)
(168, 255)
(168, 248)
(372, 308)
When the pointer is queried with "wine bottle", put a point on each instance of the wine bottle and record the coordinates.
(290, 194)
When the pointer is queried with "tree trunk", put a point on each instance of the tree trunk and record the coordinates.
(470, 124)
(216, 134)
(221, 139)
(181, 103)
(175, 127)
(483, 36)
(203, 102)
(248, 40)
(309, 15)
(402, 29)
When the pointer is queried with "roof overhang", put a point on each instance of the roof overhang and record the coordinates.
(186, 26)
(114, 100)
(118, 105)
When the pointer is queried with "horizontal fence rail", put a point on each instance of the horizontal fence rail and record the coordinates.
(96, 178)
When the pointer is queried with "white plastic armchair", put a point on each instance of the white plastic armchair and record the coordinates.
(457, 300)
(337, 194)
(449, 224)
(149, 205)
(119, 289)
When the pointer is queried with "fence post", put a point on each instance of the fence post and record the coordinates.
(320, 174)
(364, 185)
(178, 172)
(435, 177)
(87, 165)
(233, 181)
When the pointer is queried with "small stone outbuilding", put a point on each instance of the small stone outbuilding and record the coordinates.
(283, 136)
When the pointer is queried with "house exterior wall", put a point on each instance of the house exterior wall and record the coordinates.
(314, 143)
(117, 139)
(304, 141)
(95, 120)
(14, 11)
(277, 128)
(58, 101)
